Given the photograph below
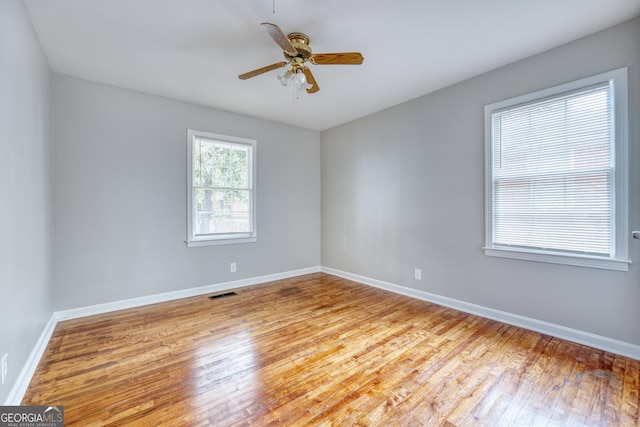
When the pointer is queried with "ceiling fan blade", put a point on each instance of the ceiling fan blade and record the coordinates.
(262, 70)
(311, 80)
(343, 58)
(279, 37)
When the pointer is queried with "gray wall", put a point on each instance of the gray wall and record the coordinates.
(120, 196)
(404, 189)
(25, 189)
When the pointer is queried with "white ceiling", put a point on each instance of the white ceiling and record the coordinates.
(193, 50)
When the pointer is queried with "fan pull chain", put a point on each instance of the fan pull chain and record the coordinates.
(294, 101)
(274, 7)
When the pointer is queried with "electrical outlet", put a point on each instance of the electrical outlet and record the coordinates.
(418, 274)
(4, 367)
(635, 234)
(233, 267)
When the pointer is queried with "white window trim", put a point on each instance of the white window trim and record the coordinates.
(221, 239)
(620, 259)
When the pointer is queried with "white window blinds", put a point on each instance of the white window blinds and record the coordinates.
(553, 173)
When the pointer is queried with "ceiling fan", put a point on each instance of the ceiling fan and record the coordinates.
(297, 52)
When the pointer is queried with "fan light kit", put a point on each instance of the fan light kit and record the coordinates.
(297, 78)
(297, 52)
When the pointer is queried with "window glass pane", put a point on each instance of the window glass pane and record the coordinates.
(222, 177)
(203, 163)
(232, 211)
(222, 211)
(240, 167)
(222, 172)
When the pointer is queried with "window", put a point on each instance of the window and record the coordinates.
(221, 189)
(556, 176)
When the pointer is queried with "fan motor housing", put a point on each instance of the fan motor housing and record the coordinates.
(301, 42)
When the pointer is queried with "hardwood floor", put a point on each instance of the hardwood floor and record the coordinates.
(323, 351)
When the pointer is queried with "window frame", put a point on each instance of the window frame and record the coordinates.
(221, 238)
(620, 218)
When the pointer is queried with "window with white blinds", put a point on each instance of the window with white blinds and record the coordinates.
(556, 179)
(221, 189)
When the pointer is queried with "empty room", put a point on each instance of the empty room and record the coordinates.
(320, 213)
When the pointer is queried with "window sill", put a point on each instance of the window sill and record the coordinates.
(221, 241)
(556, 258)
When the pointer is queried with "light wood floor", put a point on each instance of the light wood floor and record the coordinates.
(319, 350)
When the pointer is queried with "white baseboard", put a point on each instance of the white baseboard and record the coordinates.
(22, 383)
(603, 343)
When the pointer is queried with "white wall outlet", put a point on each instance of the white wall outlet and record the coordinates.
(4, 368)
(635, 234)
(418, 274)
(232, 267)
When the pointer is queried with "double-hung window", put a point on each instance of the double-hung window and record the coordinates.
(221, 196)
(556, 174)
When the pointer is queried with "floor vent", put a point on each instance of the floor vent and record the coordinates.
(228, 294)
